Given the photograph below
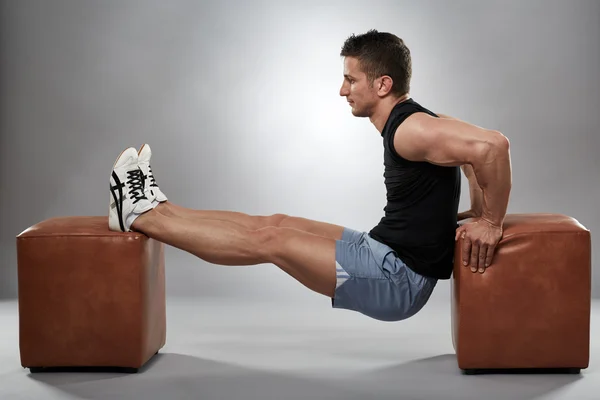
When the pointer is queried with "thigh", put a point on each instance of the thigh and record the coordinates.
(304, 224)
(307, 257)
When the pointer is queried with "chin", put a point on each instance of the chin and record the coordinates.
(362, 112)
(359, 113)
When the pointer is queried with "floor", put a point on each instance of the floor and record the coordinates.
(231, 349)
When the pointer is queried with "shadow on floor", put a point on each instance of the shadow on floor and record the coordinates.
(176, 376)
(440, 378)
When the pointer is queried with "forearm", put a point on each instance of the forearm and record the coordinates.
(475, 192)
(494, 176)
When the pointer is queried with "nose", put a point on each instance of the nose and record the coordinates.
(344, 90)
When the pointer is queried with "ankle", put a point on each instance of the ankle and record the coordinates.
(165, 209)
(143, 222)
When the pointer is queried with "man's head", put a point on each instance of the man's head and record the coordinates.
(377, 67)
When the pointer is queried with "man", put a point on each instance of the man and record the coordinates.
(389, 272)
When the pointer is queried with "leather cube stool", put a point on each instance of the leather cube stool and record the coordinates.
(88, 296)
(531, 308)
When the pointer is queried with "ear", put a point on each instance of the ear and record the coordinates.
(384, 85)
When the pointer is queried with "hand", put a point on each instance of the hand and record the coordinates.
(480, 240)
(468, 214)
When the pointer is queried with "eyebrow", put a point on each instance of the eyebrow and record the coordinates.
(349, 76)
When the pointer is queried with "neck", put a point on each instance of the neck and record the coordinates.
(382, 112)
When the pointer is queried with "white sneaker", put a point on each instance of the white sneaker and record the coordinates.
(153, 192)
(127, 198)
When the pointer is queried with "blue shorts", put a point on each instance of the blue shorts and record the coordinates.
(372, 280)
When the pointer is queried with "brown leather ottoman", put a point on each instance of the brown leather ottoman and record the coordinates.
(89, 297)
(531, 308)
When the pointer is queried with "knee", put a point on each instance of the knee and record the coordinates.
(257, 222)
(267, 235)
(269, 240)
(276, 219)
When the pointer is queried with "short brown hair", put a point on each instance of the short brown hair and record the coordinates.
(381, 53)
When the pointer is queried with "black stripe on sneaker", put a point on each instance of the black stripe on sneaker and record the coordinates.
(118, 200)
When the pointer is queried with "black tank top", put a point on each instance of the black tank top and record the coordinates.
(420, 218)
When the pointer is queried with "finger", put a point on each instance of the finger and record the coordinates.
(482, 256)
(490, 255)
(459, 232)
(474, 257)
(466, 250)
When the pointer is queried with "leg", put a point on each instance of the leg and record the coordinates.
(308, 258)
(254, 222)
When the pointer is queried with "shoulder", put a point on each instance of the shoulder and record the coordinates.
(417, 121)
(405, 115)
(415, 134)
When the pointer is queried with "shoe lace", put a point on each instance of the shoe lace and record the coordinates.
(135, 181)
(151, 176)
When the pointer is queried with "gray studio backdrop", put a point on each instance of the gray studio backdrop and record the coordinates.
(240, 104)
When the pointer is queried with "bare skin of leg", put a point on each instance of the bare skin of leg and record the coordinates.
(307, 257)
(254, 222)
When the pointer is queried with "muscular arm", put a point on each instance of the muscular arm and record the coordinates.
(451, 142)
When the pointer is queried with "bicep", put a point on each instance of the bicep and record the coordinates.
(440, 141)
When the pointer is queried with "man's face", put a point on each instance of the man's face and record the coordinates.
(355, 88)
